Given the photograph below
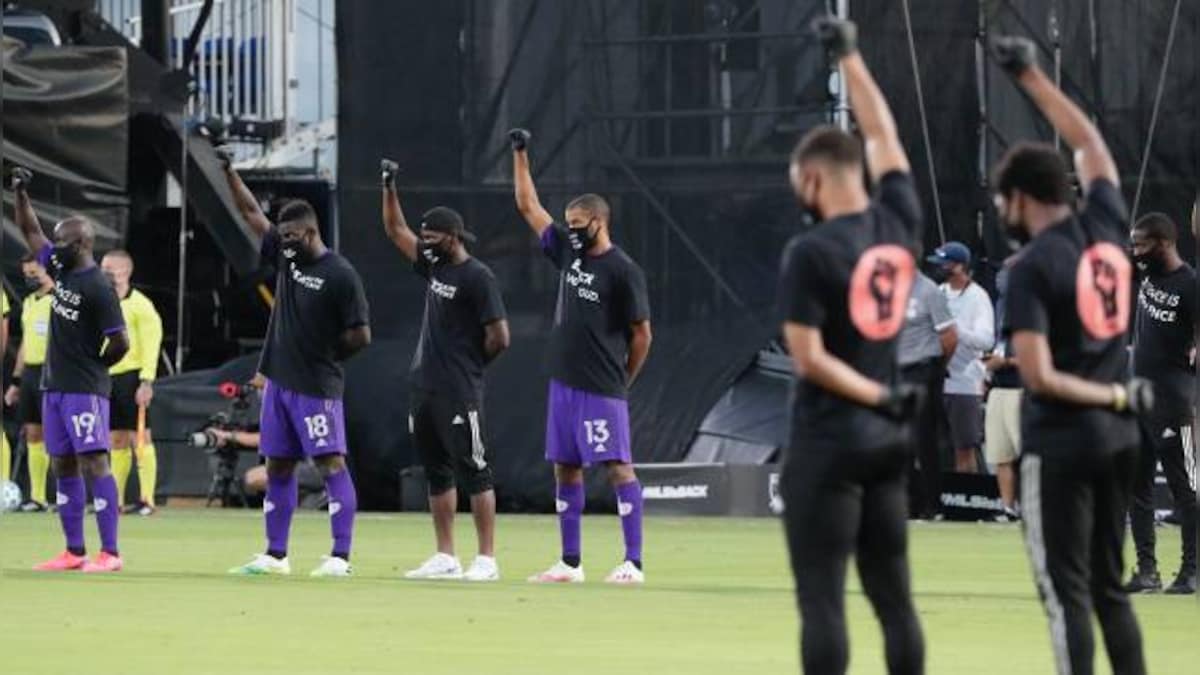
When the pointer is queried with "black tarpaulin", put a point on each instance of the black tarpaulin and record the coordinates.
(66, 113)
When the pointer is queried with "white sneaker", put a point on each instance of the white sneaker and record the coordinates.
(626, 574)
(483, 568)
(263, 564)
(559, 573)
(440, 566)
(332, 566)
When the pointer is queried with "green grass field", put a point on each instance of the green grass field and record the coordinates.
(718, 600)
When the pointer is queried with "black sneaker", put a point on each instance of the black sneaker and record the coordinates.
(1184, 584)
(33, 507)
(1144, 582)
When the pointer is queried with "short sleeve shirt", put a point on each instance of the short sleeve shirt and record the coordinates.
(84, 311)
(928, 316)
(1164, 337)
(851, 277)
(1072, 283)
(599, 300)
(460, 301)
(315, 304)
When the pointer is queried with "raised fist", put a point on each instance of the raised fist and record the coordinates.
(1014, 54)
(21, 178)
(519, 138)
(387, 172)
(839, 37)
(224, 155)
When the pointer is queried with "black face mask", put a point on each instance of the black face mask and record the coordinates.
(295, 252)
(434, 254)
(1149, 263)
(582, 238)
(64, 258)
(810, 215)
(112, 279)
(939, 274)
(33, 283)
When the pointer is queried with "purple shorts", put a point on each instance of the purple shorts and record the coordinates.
(74, 424)
(583, 428)
(295, 426)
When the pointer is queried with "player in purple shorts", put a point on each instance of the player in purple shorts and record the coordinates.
(600, 340)
(319, 319)
(87, 335)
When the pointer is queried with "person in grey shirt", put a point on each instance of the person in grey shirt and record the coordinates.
(925, 344)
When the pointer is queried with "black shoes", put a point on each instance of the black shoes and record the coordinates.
(1184, 584)
(1144, 582)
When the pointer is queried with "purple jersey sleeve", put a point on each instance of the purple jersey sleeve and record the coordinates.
(43, 255)
(555, 245)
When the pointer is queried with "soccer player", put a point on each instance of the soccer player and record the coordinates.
(843, 291)
(87, 335)
(599, 342)
(25, 390)
(319, 319)
(1067, 313)
(1163, 352)
(463, 330)
(5, 449)
(133, 384)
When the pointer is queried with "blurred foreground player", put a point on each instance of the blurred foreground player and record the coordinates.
(1067, 314)
(463, 330)
(319, 319)
(87, 336)
(843, 291)
(5, 449)
(133, 385)
(25, 392)
(600, 340)
(1163, 352)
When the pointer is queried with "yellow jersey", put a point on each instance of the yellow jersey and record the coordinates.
(144, 327)
(35, 327)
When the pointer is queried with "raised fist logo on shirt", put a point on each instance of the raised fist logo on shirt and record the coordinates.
(1103, 290)
(879, 289)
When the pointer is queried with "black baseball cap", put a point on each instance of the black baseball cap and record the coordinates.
(446, 220)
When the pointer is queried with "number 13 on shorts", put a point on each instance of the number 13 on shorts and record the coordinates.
(597, 434)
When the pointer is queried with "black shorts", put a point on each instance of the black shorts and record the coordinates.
(29, 405)
(124, 401)
(448, 434)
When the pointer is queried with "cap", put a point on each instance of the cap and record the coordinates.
(951, 252)
(447, 221)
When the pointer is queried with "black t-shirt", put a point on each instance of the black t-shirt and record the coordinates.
(314, 305)
(1163, 338)
(1072, 284)
(1007, 377)
(84, 310)
(461, 300)
(851, 277)
(599, 298)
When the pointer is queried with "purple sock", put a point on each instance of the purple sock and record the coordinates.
(343, 504)
(71, 496)
(278, 507)
(104, 498)
(569, 504)
(629, 507)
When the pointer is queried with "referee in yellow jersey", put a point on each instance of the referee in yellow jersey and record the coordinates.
(25, 392)
(5, 450)
(133, 384)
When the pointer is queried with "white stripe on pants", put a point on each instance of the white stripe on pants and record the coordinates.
(1035, 545)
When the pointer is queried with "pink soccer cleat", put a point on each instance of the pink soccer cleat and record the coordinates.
(105, 562)
(63, 562)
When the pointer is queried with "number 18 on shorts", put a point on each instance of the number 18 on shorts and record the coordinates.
(295, 426)
(583, 428)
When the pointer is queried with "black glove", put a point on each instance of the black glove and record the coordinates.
(224, 155)
(21, 178)
(519, 138)
(1014, 54)
(839, 37)
(1135, 396)
(901, 401)
(387, 173)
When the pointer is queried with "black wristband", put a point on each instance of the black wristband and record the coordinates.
(16, 379)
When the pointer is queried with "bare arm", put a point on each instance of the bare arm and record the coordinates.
(496, 339)
(949, 340)
(246, 203)
(115, 348)
(640, 337)
(527, 198)
(881, 141)
(396, 226)
(27, 218)
(353, 341)
(832, 374)
(1040, 376)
